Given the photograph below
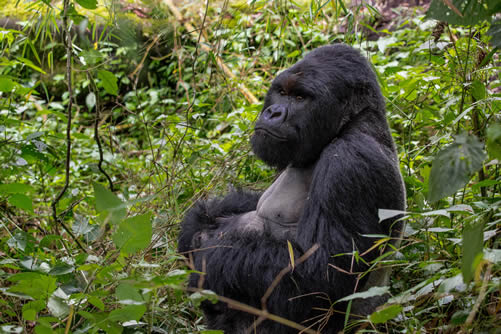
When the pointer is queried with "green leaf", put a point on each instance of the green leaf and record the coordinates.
(109, 204)
(6, 84)
(36, 285)
(127, 313)
(454, 165)
(15, 188)
(41, 329)
(494, 141)
(96, 302)
(451, 284)
(198, 297)
(493, 255)
(48, 240)
(133, 234)
(471, 11)
(109, 81)
(384, 214)
(90, 100)
(87, 4)
(30, 64)
(127, 292)
(74, 15)
(61, 269)
(473, 241)
(91, 57)
(58, 307)
(22, 202)
(372, 292)
(22, 241)
(478, 90)
(386, 314)
(31, 309)
(495, 33)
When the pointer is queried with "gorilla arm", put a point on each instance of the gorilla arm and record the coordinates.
(203, 217)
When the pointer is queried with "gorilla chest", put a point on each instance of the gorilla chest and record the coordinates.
(283, 202)
(281, 205)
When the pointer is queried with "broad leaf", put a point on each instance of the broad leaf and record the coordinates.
(494, 141)
(133, 234)
(109, 204)
(87, 4)
(386, 314)
(454, 165)
(127, 313)
(473, 241)
(495, 33)
(15, 188)
(90, 100)
(478, 90)
(61, 269)
(461, 12)
(96, 302)
(22, 202)
(31, 309)
(387, 214)
(128, 294)
(6, 84)
(372, 292)
(35, 285)
(109, 81)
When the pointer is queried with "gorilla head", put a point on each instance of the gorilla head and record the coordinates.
(308, 105)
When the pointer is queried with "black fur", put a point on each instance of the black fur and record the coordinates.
(339, 125)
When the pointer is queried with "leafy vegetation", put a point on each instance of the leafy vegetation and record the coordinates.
(115, 118)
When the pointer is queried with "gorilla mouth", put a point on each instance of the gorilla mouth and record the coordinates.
(270, 133)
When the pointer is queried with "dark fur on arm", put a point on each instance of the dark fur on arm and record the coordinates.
(202, 216)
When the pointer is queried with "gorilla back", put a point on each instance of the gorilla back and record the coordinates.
(323, 125)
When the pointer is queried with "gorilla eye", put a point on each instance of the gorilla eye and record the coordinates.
(299, 98)
(282, 92)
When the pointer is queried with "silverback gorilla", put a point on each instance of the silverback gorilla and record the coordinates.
(323, 126)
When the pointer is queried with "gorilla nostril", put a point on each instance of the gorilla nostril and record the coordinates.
(275, 114)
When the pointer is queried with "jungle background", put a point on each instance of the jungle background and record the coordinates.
(116, 116)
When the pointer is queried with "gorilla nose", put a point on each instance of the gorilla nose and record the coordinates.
(275, 113)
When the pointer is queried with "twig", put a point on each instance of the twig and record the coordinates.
(96, 132)
(480, 299)
(67, 32)
(274, 284)
(68, 322)
(141, 63)
(260, 313)
(284, 271)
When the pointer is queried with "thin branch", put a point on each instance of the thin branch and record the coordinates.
(480, 299)
(67, 33)
(260, 313)
(264, 312)
(284, 271)
(96, 132)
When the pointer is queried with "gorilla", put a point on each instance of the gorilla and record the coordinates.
(323, 126)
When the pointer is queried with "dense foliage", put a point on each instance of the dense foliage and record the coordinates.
(98, 167)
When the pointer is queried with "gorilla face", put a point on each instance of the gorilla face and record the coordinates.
(307, 105)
